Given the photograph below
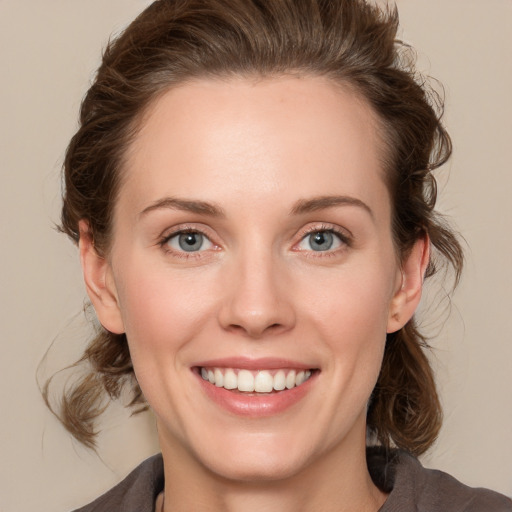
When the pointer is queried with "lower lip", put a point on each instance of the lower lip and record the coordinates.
(256, 405)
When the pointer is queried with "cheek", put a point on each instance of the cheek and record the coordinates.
(351, 316)
(163, 309)
(352, 300)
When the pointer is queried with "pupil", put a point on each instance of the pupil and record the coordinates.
(191, 241)
(322, 241)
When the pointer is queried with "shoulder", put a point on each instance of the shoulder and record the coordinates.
(415, 488)
(136, 493)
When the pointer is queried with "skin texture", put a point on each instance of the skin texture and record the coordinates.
(256, 151)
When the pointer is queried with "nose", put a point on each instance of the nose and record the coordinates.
(257, 300)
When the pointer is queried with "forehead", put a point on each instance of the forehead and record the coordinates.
(251, 138)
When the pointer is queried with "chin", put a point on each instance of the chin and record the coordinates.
(261, 457)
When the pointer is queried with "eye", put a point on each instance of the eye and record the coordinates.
(321, 241)
(190, 241)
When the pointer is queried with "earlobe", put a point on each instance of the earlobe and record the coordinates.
(99, 282)
(408, 293)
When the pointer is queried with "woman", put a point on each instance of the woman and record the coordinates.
(252, 195)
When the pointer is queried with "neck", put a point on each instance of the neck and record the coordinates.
(336, 482)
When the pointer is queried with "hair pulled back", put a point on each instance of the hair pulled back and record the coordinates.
(349, 41)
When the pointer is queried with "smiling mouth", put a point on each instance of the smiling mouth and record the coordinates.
(255, 381)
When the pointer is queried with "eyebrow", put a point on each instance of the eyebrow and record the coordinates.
(323, 202)
(300, 207)
(187, 205)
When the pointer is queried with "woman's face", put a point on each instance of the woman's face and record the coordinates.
(252, 246)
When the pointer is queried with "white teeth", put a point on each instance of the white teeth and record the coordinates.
(245, 381)
(219, 378)
(230, 379)
(290, 380)
(279, 380)
(261, 381)
(264, 382)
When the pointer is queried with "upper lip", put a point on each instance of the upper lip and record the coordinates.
(245, 363)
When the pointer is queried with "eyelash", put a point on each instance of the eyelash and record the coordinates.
(183, 230)
(346, 241)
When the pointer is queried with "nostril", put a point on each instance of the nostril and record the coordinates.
(274, 328)
(257, 314)
(257, 331)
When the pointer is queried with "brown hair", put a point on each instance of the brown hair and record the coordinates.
(349, 41)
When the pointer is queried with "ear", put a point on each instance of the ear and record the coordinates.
(99, 282)
(408, 292)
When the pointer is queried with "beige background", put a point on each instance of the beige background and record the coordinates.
(48, 51)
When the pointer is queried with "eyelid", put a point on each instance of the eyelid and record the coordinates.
(344, 235)
(174, 242)
(168, 234)
(185, 228)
